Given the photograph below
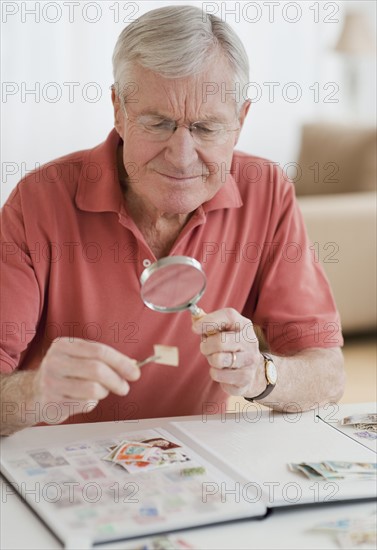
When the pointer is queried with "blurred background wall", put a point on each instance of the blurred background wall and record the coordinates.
(313, 88)
(56, 74)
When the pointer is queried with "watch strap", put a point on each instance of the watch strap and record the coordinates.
(269, 387)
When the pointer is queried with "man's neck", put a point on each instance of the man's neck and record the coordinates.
(160, 229)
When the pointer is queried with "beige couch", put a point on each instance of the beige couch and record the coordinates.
(337, 195)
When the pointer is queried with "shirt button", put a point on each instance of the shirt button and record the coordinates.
(146, 262)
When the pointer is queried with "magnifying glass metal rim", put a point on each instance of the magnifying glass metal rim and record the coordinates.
(173, 260)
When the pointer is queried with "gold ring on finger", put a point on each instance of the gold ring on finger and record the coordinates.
(234, 359)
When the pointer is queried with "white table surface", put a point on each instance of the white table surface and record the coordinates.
(288, 528)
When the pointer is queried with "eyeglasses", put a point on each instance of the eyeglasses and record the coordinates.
(158, 128)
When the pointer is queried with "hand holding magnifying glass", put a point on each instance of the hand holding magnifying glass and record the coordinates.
(176, 283)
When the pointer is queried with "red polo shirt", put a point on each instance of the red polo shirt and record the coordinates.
(72, 258)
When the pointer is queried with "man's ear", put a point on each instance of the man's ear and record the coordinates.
(242, 116)
(244, 110)
(118, 111)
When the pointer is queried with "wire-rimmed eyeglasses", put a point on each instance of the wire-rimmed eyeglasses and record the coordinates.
(159, 128)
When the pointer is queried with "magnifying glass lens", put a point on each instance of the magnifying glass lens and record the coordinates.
(174, 286)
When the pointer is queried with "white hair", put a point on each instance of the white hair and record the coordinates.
(178, 41)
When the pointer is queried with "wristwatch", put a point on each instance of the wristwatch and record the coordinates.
(271, 377)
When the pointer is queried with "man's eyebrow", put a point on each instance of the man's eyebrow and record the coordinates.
(153, 112)
(212, 117)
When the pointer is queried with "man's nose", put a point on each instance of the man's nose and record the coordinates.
(180, 149)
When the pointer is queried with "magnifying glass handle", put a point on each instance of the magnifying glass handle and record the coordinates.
(197, 313)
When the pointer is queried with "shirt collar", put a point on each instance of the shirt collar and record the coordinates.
(228, 196)
(99, 189)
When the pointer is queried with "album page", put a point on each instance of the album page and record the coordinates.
(124, 485)
(264, 447)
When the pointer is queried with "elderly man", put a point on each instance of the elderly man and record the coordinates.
(79, 232)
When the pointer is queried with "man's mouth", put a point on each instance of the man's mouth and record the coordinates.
(179, 177)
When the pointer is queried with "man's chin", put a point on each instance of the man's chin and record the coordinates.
(178, 204)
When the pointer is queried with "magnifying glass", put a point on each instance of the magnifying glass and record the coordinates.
(174, 283)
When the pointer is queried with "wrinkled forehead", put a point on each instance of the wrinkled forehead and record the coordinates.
(212, 93)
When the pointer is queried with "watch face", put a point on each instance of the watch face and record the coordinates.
(271, 372)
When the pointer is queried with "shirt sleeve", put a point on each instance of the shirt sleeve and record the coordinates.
(294, 305)
(20, 291)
